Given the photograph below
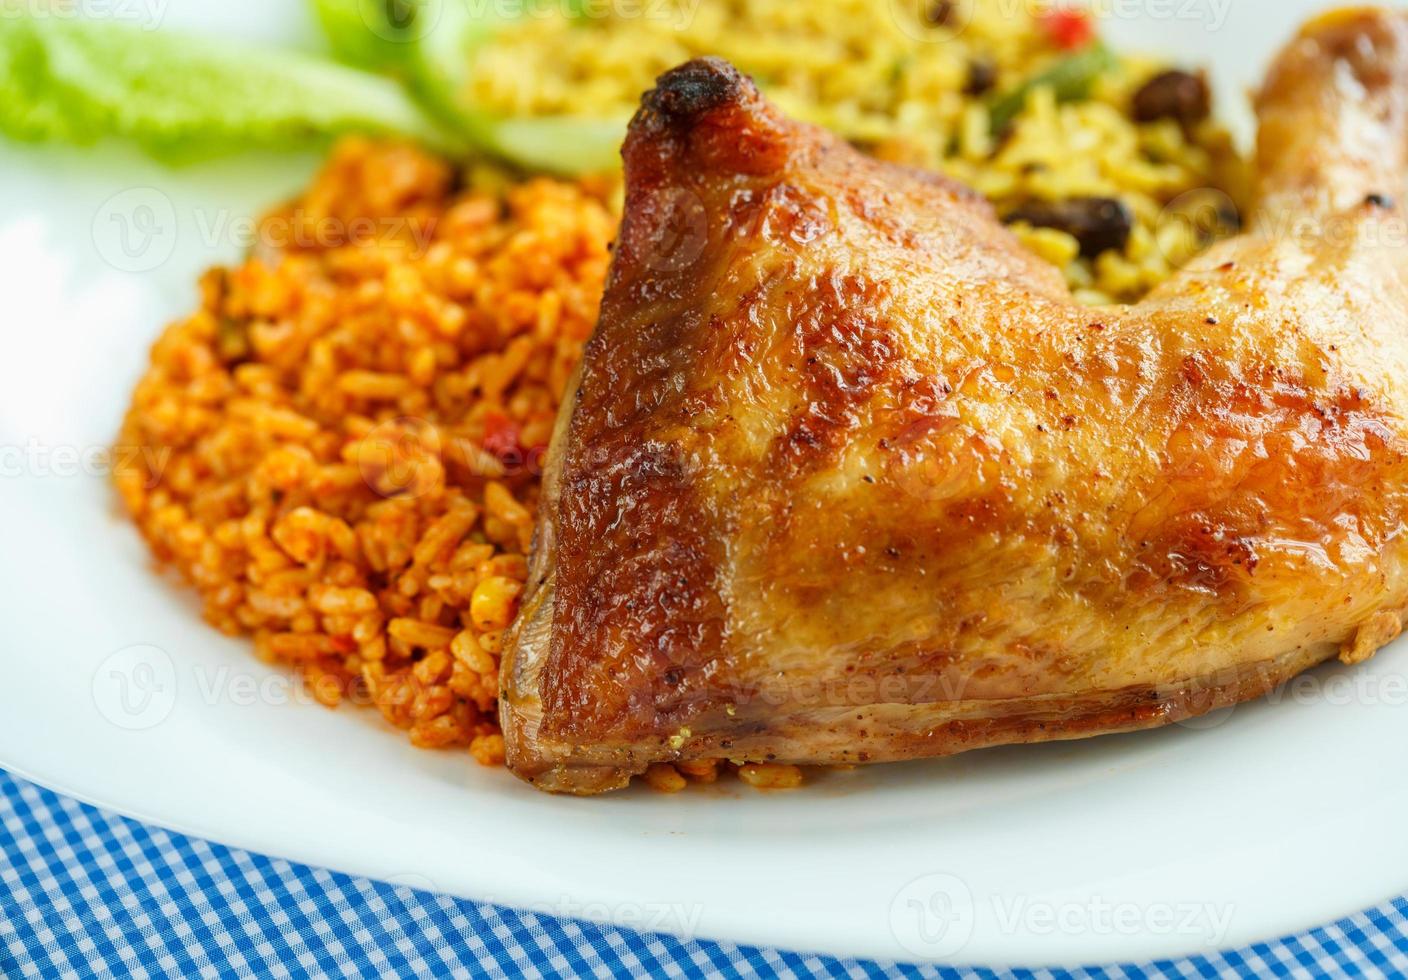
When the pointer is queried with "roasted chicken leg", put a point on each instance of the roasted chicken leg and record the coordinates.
(847, 476)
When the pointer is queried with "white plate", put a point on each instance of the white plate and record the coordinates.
(1275, 818)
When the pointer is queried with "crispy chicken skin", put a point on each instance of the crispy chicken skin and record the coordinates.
(848, 476)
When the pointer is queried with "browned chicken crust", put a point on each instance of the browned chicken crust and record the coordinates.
(849, 477)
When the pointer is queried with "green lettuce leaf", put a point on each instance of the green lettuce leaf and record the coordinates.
(77, 81)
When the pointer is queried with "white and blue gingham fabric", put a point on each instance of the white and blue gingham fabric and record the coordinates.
(85, 893)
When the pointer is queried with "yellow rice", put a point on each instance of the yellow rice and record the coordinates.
(888, 77)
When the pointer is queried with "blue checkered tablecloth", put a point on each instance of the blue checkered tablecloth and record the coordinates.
(86, 893)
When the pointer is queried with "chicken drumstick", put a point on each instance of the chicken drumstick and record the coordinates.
(848, 476)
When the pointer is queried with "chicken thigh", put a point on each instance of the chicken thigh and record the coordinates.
(847, 476)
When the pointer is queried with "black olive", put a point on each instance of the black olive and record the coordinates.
(400, 14)
(1229, 216)
(982, 76)
(1100, 224)
(1173, 95)
(939, 12)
